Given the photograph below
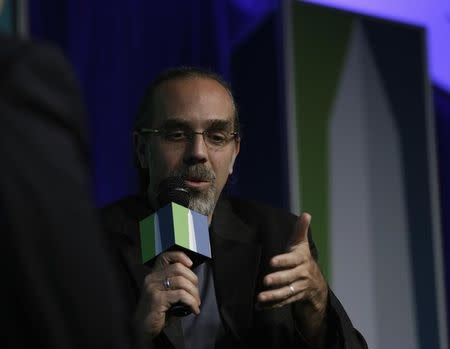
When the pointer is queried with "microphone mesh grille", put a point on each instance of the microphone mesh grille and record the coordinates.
(173, 189)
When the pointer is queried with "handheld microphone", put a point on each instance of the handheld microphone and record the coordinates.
(175, 227)
(173, 189)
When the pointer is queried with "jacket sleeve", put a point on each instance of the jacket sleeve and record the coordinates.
(341, 333)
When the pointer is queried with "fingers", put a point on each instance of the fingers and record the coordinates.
(186, 298)
(161, 299)
(291, 259)
(291, 278)
(178, 276)
(180, 283)
(301, 229)
(182, 271)
(170, 257)
(165, 298)
(284, 277)
(298, 252)
(281, 296)
(281, 286)
(172, 281)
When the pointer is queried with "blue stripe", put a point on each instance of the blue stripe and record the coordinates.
(165, 218)
(201, 232)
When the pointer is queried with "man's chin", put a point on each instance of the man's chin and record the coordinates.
(202, 202)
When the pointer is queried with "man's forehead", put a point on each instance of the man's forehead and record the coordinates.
(194, 100)
(190, 82)
(192, 91)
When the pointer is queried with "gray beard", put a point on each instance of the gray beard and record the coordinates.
(203, 202)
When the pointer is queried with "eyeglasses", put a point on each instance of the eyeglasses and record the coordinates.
(214, 139)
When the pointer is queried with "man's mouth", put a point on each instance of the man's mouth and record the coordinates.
(197, 183)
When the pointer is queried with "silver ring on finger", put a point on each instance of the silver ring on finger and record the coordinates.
(166, 283)
(292, 290)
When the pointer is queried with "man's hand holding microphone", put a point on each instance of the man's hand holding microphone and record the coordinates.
(171, 288)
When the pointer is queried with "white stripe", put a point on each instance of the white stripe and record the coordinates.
(158, 247)
(192, 241)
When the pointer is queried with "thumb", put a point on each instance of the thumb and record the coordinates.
(301, 230)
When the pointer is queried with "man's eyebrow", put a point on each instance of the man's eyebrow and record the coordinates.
(219, 124)
(175, 122)
(211, 123)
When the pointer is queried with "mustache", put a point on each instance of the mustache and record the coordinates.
(199, 172)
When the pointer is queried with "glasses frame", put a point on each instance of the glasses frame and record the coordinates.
(233, 136)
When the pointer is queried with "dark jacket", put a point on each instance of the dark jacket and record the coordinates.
(244, 236)
(59, 288)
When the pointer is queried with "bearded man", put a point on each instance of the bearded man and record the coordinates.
(263, 286)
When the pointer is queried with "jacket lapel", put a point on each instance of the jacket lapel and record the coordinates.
(236, 256)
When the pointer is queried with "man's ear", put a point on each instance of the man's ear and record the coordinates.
(139, 149)
(230, 170)
(233, 159)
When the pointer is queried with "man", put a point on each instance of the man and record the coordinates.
(59, 287)
(263, 287)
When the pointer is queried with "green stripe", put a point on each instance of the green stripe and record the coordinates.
(320, 43)
(180, 225)
(6, 17)
(147, 230)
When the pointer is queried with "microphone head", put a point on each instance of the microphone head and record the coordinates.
(173, 189)
(174, 226)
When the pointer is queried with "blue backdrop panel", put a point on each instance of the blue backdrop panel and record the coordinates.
(118, 47)
(258, 81)
(394, 48)
(442, 111)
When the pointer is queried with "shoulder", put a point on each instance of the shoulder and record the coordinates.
(37, 76)
(13, 49)
(270, 222)
(255, 212)
(274, 225)
(20, 56)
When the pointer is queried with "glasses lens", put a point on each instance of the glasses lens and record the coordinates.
(216, 139)
(176, 137)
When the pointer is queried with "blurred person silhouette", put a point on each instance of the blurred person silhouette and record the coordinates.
(59, 289)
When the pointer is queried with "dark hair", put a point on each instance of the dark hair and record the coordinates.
(179, 73)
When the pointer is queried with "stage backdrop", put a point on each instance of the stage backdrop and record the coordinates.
(364, 147)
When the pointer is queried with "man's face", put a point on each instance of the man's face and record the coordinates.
(195, 104)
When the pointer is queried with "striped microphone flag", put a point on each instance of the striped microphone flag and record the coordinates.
(174, 227)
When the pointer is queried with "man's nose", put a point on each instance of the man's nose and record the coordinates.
(196, 150)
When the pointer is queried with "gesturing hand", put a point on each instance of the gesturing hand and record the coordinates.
(297, 278)
(170, 281)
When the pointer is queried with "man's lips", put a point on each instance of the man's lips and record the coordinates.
(197, 183)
